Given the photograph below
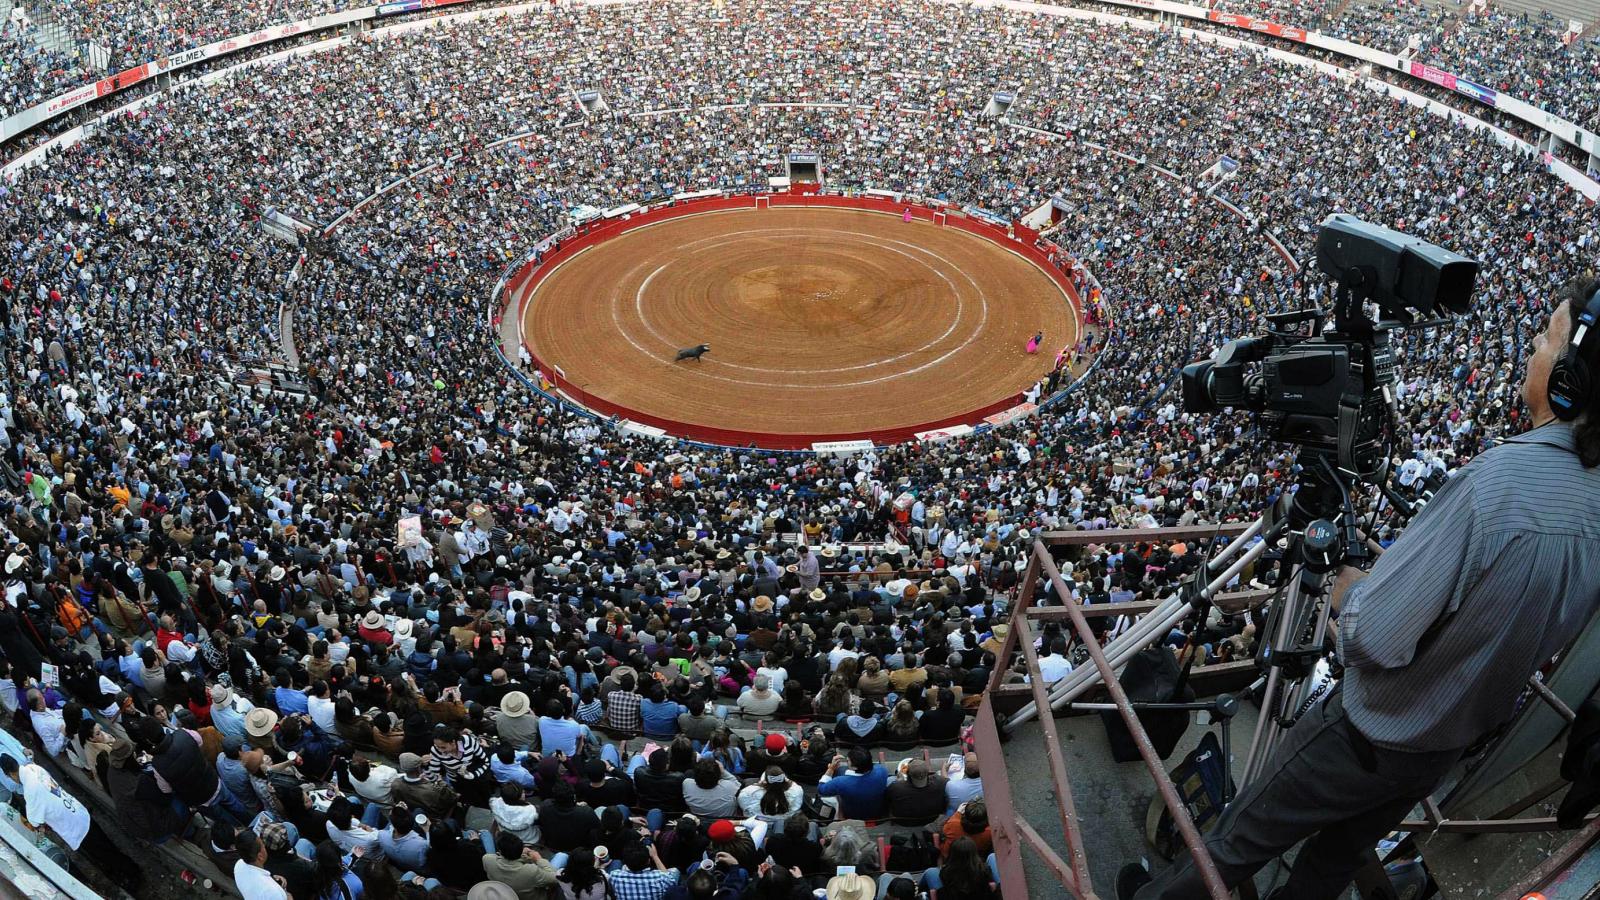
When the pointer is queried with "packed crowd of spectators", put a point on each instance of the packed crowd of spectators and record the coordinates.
(1514, 52)
(417, 626)
(31, 72)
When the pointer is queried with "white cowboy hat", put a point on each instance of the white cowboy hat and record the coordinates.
(260, 722)
(514, 705)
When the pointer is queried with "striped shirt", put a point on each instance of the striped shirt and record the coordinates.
(1494, 577)
(470, 761)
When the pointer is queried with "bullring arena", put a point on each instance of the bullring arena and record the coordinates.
(363, 535)
(826, 322)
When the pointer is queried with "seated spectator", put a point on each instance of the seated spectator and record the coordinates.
(793, 847)
(760, 702)
(964, 875)
(454, 858)
(373, 782)
(601, 787)
(282, 861)
(862, 729)
(901, 728)
(918, 798)
(521, 867)
(515, 726)
(423, 791)
(559, 734)
(970, 820)
(724, 748)
(581, 879)
(228, 712)
(732, 839)
(509, 766)
(402, 844)
(874, 681)
(250, 873)
(963, 782)
(642, 876)
(564, 823)
(513, 813)
(48, 724)
(857, 783)
(298, 736)
(695, 722)
(623, 709)
(711, 791)
(658, 714)
(942, 723)
(348, 832)
(774, 798)
(657, 786)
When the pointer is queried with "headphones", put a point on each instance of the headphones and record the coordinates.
(1571, 381)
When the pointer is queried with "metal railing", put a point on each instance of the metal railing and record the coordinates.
(1012, 831)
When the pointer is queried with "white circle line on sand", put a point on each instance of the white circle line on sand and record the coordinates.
(983, 300)
(871, 239)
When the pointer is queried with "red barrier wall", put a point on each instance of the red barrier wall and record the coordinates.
(528, 277)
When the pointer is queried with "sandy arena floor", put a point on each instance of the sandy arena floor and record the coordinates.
(820, 321)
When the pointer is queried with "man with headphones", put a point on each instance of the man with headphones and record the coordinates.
(1495, 576)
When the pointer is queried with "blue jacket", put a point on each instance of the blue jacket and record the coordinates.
(860, 794)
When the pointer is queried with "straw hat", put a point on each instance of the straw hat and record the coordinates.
(514, 705)
(692, 594)
(276, 573)
(403, 628)
(260, 722)
(762, 604)
(221, 695)
(492, 890)
(372, 621)
(851, 887)
(818, 594)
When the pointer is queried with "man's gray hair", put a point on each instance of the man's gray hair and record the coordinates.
(763, 682)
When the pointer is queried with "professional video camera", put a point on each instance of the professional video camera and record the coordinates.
(1327, 389)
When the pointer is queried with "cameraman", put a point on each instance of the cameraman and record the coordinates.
(1493, 578)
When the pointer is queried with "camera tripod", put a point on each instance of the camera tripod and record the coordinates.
(1316, 524)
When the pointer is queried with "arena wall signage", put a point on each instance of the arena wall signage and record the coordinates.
(35, 115)
(1568, 131)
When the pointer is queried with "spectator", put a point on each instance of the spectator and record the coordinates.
(773, 798)
(642, 876)
(521, 867)
(564, 823)
(712, 791)
(858, 784)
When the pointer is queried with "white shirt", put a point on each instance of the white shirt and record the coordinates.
(51, 728)
(49, 805)
(359, 835)
(1054, 667)
(321, 709)
(379, 786)
(256, 883)
(838, 655)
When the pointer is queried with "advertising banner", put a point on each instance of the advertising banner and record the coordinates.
(1477, 92)
(1435, 76)
(1287, 32)
(1007, 416)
